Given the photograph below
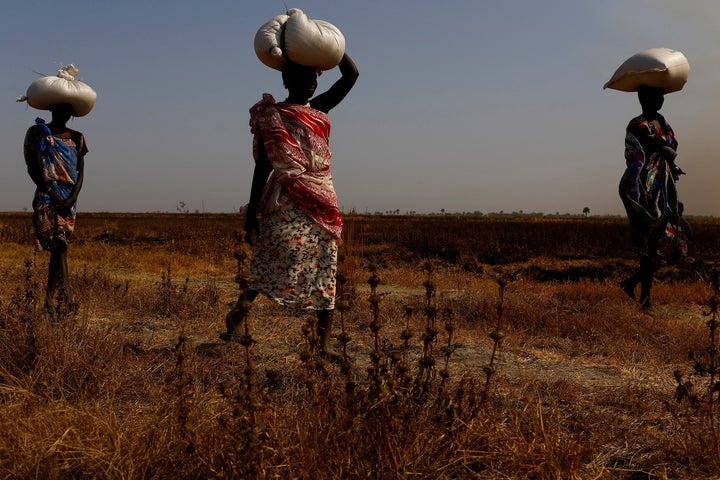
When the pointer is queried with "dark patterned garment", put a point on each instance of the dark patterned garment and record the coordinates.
(647, 188)
(59, 155)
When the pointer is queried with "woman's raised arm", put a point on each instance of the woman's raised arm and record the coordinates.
(330, 99)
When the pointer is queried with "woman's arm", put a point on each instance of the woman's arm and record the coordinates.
(648, 134)
(72, 198)
(33, 169)
(260, 177)
(33, 159)
(330, 99)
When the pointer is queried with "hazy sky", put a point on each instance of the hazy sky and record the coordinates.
(461, 105)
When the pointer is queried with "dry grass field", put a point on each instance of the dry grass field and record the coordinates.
(479, 348)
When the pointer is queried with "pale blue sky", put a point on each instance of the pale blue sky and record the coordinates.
(461, 105)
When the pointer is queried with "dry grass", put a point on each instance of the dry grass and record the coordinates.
(136, 386)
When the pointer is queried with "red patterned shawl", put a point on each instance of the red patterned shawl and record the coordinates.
(296, 139)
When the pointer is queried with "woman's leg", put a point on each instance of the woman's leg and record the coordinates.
(57, 274)
(53, 279)
(324, 327)
(65, 288)
(628, 285)
(648, 267)
(236, 316)
(58, 286)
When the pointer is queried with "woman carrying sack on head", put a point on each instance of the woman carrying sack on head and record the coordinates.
(647, 187)
(295, 244)
(648, 190)
(295, 240)
(55, 159)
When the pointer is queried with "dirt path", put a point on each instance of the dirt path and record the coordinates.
(279, 341)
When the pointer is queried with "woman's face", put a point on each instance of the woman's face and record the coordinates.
(300, 81)
(651, 99)
(61, 112)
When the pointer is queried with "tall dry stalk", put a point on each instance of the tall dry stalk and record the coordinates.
(713, 367)
(496, 335)
(426, 363)
(377, 369)
(401, 364)
(706, 364)
(248, 400)
(343, 305)
(20, 320)
(448, 349)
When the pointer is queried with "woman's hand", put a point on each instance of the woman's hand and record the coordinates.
(667, 153)
(64, 206)
(252, 226)
(55, 199)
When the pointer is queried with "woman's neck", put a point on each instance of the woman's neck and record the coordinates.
(57, 127)
(297, 100)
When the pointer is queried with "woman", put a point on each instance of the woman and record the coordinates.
(295, 246)
(648, 189)
(55, 159)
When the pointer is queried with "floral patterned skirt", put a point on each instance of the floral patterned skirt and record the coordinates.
(294, 261)
(52, 229)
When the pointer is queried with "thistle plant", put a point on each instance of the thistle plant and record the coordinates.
(401, 365)
(181, 379)
(26, 299)
(377, 368)
(20, 317)
(706, 364)
(242, 257)
(343, 305)
(426, 370)
(448, 349)
(248, 399)
(496, 335)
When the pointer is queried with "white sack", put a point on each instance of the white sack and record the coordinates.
(62, 88)
(295, 37)
(656, 67)
(267, 42)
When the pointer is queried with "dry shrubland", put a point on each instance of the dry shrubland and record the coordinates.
(474, 348)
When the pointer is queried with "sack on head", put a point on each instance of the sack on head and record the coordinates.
(655, 67)
(295, 37)
(61, 88)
